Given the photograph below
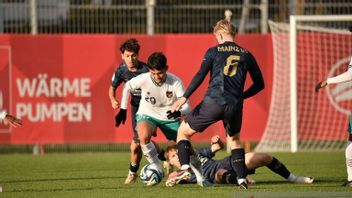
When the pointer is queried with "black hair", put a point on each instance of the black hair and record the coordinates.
(157, 61)
(130, 45)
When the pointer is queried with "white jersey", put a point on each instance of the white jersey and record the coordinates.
(156, 100)
(2, 115)
(344, 77)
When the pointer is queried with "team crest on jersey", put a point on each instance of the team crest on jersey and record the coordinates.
(169, 94)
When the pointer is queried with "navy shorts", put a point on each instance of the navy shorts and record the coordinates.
(207, 113)
(134, 110)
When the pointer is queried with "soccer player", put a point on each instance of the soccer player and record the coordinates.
(221, 171)
(344, 77)
(228, 64)
(9, 119)
(159, 90)
(129, 68)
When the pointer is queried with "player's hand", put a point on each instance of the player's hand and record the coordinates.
(120, 117)
(13, 121)
(320, 85)
(178, 104)
(215, 139)
(173, 115)
(115, 104)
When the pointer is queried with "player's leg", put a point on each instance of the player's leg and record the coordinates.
(233, 122)
(197, 120)
(146, 128)
(223, 176)
(135, 149)
(136, 156)
(348, 155)
(256, 160)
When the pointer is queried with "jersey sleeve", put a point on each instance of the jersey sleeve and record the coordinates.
(256, 76)
(2, 115)
(206, 152)
(116, 79)
(179, 91)
(134, 83)
(201, 74)
(344, 77)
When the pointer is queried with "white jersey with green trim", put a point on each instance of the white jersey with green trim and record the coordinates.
(156, 99)
(344, 77)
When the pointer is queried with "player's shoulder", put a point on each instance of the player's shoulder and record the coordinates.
(173, 78)
(143, 66)
(122, 67)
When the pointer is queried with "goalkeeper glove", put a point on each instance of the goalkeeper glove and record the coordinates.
(120, 117)
(173, 115)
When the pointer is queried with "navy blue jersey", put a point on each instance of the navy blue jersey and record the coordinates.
(122, 74)
(228, 64)
(209, 167)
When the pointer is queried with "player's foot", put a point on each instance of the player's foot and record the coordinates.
(176, 177)
(204, 183)
(243, 185)
(303, 180)
(131, 178)
(347, 183)
(168, 167)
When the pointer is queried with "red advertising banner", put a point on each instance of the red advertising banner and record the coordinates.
(58, 84)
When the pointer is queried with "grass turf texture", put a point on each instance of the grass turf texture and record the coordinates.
(103, 175)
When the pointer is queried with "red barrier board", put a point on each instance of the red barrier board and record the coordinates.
(58, 84)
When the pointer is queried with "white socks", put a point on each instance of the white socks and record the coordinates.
(151, 154)
(348, 155)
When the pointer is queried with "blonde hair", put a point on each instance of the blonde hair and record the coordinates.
(225, 27)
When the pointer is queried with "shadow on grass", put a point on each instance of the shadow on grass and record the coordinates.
(59, 190)
(319, 181)
(58, 179)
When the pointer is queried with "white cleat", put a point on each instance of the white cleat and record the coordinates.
(131, 178)
(303, 180)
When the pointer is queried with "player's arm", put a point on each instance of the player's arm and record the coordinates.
(134, 83)
(344, 77)
(115, 82)
(256, 76)
(196, 81)
(185, 108)
(216, 144)
(9, 119)
(112, 97)
(129, 86)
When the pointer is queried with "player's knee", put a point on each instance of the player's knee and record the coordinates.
(219, 176)
(185, 131)
(135, 147)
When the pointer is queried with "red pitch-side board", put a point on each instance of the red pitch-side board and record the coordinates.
(58, 84)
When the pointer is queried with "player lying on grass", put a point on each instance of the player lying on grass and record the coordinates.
(222, 172)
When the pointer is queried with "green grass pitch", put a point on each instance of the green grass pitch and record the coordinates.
(103, 174)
